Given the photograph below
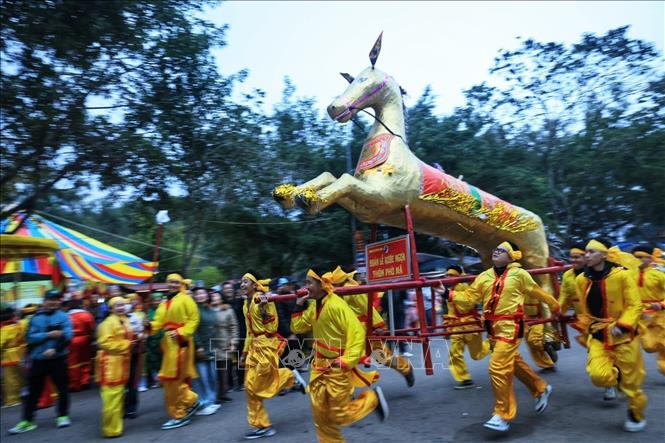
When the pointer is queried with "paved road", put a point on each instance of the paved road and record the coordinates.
(431, 411)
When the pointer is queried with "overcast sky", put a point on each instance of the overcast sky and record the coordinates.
(449, 45)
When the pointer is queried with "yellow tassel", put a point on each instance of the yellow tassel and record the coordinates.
(285, 191)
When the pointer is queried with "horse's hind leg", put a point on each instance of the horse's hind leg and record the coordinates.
(344, 188)
(284, 194)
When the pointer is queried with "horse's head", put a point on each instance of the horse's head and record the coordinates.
(371, 87)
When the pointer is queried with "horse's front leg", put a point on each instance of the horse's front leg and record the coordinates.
(344, 188)
(284, 194)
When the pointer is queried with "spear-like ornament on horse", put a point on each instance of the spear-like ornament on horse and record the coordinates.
(374, 53)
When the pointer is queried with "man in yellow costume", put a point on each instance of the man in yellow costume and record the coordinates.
(339, 342)
(478, 348)
(358, 304)
(568, 299)
(502, 290)
(114, 341)
(178, 316)
(12, 348)
(264, 378)
(651, 289)
(611, 309)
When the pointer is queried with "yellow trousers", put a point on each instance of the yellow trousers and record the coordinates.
(604, 365)
(178, 397)
(652, 337)
(113, 408)
(260, 385)
(383, 354)
(505, 362)
(11, 385)
(535, 339)
(478, 349)
(333, 405)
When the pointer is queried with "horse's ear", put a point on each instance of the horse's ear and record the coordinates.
(374, 53)
(347, 77)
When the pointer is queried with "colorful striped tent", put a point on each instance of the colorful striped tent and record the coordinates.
(79, 257)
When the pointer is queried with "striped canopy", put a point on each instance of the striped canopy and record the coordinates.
(79, 257)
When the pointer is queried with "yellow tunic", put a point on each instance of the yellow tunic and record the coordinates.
(609, 355)
(180, 314)
(358, 304)
(650, 285)
(12, 349)
(568, 294)
(502, 298)
(478, 348)
(621, 306)
(263, 345)
(338, 337)
(651, 288)
(12, 343)
(261, 333)
(114, 337)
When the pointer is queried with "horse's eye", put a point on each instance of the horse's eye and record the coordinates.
(361, 79)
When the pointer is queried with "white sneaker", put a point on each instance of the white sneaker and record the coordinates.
(497, 423)
(208, 410)
(300, 383)
(142, 389)
(610, 394)
(382, 408)
(634, 426)
(542, 401)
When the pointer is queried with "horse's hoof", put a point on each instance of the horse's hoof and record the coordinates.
(309, 203)
(283, 194)
(302, 202)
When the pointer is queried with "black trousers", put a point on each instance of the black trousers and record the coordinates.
(55, 368)
(131, 388)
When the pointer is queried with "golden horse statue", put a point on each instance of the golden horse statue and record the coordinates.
(389, 176)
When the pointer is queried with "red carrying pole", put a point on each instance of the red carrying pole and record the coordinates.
(415, 273)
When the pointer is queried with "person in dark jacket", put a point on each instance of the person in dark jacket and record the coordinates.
(49, 335)
(206, 384)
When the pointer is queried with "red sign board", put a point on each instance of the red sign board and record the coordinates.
(388, 260)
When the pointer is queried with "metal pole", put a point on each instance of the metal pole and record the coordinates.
(391, 316)
(415, 269)
(155, 255)
(349, 169)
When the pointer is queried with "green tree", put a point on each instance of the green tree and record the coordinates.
(60, 58)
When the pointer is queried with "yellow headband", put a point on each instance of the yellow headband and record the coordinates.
(338, 277)
(656, 255)
(174, 277)
(261, 285)
(615, 255)
(325, 280)
(514, 255)
(115, 300)
(452, 272)
(576, 251)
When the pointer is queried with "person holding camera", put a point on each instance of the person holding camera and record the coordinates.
(49, 334)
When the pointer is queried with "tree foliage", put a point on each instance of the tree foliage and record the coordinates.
(573, 133)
